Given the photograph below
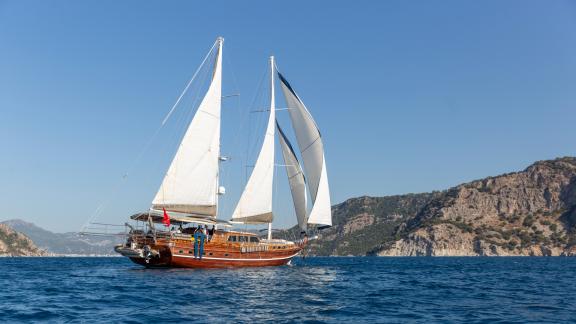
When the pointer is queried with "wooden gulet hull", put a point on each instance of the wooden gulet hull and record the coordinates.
(186, 261)
(219, 253)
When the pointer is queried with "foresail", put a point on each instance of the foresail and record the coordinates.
(295, 178)
(191, 183)
(255, 205)
(312, 150)
(321, 213)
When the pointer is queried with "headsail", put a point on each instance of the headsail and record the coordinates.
(295, 179)
(255, 205)
(312, 150)
(191, 183)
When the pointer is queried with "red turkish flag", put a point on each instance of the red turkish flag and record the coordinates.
(166, 219)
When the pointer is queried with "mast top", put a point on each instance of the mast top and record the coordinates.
(220, 39)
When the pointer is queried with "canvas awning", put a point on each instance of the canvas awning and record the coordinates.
(157, 216)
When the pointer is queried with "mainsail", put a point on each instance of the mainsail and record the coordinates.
(312, 150)
(255, 205)
(191, 183)
(295, 178)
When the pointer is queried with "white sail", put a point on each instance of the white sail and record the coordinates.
(312, 150)
(295, 178)
(191, 183)
(255, 205)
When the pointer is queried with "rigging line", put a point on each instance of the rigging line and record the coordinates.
(103, 204)
(106, 201)
(237, 94)
(189, 83)
(275, 109)
(307, 147)
(297, 174)
(246, 117)
(209, 114)
(229, 60)
(256, 123)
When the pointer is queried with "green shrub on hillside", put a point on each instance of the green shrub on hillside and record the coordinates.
(528, 221)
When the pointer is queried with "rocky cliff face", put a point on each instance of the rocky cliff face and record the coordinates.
(532, 212)
(13, 243)
(525, 213)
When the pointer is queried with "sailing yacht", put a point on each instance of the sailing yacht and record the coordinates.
(189, 193)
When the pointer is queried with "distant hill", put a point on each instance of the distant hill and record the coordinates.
(13, 243)
(532, 212)
(64, 243)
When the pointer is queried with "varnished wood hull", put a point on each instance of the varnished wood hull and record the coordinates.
(218, 253)
(208, 262)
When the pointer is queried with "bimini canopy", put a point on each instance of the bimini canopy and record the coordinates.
(157, 216)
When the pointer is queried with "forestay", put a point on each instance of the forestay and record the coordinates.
(191, 183)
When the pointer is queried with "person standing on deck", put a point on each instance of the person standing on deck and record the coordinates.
(196, 240)
(199, 238)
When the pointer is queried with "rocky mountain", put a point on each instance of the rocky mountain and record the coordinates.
(360, 224)
(64, 243)
(13, 243)
(532, 212)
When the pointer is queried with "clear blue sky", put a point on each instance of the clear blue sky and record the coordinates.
(411, 96)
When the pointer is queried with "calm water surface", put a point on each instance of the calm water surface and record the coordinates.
(313, 289)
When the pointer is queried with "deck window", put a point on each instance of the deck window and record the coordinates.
(254, 239)
(232, 239)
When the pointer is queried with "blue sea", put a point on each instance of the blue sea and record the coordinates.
(370, 289)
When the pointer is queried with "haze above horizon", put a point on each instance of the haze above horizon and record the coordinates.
(410, 97)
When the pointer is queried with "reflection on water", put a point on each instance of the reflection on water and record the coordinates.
(312, 289)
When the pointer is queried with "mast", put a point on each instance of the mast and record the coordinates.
(272, 108)
(218, 192)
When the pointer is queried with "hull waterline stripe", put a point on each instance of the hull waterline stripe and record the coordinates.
(229, 259)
